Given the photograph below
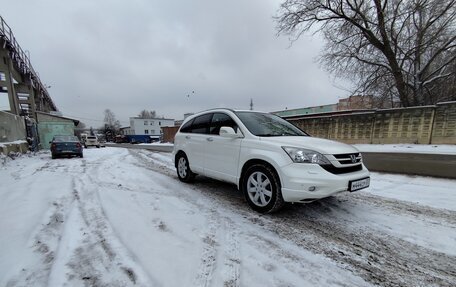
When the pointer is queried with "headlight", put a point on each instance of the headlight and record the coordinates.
(300, 155)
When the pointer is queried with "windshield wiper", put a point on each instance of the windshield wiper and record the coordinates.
(268, 135)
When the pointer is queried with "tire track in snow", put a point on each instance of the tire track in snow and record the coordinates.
(101, 249)
(220, 241)
(232, 259)
(408, 208)
(46, 239)
(377, 257)
(209, 254)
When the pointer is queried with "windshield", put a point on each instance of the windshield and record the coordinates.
(65, 139)
(268, 125)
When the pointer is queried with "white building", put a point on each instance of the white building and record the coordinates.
(150, 127)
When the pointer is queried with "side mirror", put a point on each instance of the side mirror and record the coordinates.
(228, 132)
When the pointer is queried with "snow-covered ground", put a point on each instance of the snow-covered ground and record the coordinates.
(120, 217)
(156, 144)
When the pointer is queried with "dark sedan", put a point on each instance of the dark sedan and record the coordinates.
(65, 146)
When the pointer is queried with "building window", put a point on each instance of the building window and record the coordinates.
(146, 132)
(145, 123)
(159, 123)
(152, 132)
(151, 123)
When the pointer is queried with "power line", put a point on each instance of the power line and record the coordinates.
(77, 117)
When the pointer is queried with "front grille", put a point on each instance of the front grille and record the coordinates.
(342, 170)
(348, 158)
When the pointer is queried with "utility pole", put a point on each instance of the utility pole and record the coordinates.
(251, 104)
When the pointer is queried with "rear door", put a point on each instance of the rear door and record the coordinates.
(222, 154)
(195, 141)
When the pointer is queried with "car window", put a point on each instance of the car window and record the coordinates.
(65, 139)
(268, 125)
(187, 127)
(201, 124)
(221, 120)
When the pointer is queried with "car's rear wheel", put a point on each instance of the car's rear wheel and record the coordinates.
(184, 172)
(262, 189)
(54, 156)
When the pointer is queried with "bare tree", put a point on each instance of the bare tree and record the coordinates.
(110, 119)
(404, 49)
(111, 126)
(145, 114)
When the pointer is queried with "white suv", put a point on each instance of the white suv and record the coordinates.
(91, 141)
(270, 160)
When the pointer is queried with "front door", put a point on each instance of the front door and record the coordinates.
(222, 154)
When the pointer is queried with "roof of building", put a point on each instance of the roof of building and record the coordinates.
(76, 122)
(158, 119)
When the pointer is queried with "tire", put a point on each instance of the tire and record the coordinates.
(54, 156)
(262, 189)
(98, 146)
(81, 155)
(184, 172)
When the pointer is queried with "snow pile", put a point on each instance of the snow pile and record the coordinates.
(4, 144)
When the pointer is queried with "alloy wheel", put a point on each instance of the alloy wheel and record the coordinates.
(259, 189)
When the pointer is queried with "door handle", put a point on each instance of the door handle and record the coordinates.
(210, 139)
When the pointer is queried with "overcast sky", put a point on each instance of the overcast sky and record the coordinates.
(144, 54)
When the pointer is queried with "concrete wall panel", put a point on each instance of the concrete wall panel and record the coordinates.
(419, 125)
(12, 127)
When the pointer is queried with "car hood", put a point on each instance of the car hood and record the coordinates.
(322, 146)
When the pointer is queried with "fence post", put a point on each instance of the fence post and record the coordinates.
(432, 124)
(373, 127)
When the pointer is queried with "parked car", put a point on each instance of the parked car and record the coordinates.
(66, 146)
(119, 139)
(270, 160)
(91, 141)
(101, 140)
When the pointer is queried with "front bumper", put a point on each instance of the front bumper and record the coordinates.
(299, 179)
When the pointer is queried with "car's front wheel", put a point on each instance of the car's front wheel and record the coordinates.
(184, 172)
(262, 189)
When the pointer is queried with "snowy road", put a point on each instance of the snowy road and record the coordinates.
(120, 217)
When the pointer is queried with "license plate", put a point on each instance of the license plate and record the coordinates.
(359, 184)
(66, 151)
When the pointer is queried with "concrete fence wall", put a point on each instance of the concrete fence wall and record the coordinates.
(12, 127)
(422, 125)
